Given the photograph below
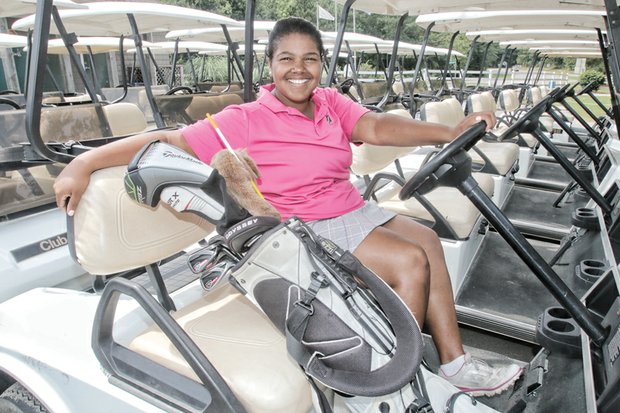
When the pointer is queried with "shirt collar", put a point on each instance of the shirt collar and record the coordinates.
(266, 98)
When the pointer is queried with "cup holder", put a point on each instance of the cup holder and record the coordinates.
(557, 331)
(581, 197)
(585, 218)
(558, 313)
(590, 270)
(584, 171)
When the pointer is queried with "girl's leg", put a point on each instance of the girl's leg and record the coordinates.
(409, 257)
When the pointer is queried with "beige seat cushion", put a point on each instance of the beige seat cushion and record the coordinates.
(458, 211)
(509, 100)
(534, 95)
(369, 159)
(124, 118)
(547, 122)
(243, 345)
(449, 112)
(203, 104)
(481, 102)
(374, 89)
(502, 154)
(113, 233)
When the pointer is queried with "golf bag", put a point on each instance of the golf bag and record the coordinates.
(345, 327)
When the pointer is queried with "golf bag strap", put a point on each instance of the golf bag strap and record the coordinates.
(323, 402)
(420, 404)
(451, 403)
(298, 319)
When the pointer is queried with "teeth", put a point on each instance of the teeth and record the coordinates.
(298, 81)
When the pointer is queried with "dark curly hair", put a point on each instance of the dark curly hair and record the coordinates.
(290, 25)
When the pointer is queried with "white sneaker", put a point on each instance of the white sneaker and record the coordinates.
(480, 379)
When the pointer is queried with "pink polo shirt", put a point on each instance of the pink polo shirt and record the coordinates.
(304, 163)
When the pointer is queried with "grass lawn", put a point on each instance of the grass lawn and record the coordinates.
(603, 96)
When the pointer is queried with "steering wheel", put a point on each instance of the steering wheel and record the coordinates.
(185, 89)
(345, 85)
(529, 122)
(424, 180)
(9, 102)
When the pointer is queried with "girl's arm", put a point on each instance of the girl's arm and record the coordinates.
(394, 130)
(73, 180)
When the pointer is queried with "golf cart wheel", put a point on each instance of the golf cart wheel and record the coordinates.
(18, 399)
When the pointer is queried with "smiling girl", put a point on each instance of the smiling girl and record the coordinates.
(299, 136)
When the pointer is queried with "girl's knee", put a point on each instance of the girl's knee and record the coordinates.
(413, 265)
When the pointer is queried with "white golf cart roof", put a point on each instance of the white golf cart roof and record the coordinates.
(15, 8)
(110, 18)
(509, 19)
(404, 48)
(96, 45)
(549, 43)
(12, 40)
(259, 49)
(573, 53)
(193, 46)
(358, 38)
(417, 7)
(216, 34)
(527, 34)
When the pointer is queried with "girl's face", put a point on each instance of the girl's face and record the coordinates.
(296, 69)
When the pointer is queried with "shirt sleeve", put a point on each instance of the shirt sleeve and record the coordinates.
(204, 140)
(348, 111)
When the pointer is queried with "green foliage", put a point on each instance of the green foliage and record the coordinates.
(590, 76)
(212, 69)
(595, 64)
(382, 26)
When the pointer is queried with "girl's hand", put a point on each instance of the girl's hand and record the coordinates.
(488, 117)
(70, 185)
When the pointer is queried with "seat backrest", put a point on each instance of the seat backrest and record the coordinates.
(111, 233)
(448, 112)
(481, 102)
(369, 159)
(218, 87)
(202, 104)
(534, 95)
(124, 118)
(509, 100)
(374, 89)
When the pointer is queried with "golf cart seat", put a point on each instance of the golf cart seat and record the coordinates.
(456, 216)
(509, 103)
(495, 158)
(535, 95)
(111, 233)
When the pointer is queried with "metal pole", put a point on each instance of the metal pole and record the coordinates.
(146, 76)
(331, 72)
(466, 68)
(248, 85)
